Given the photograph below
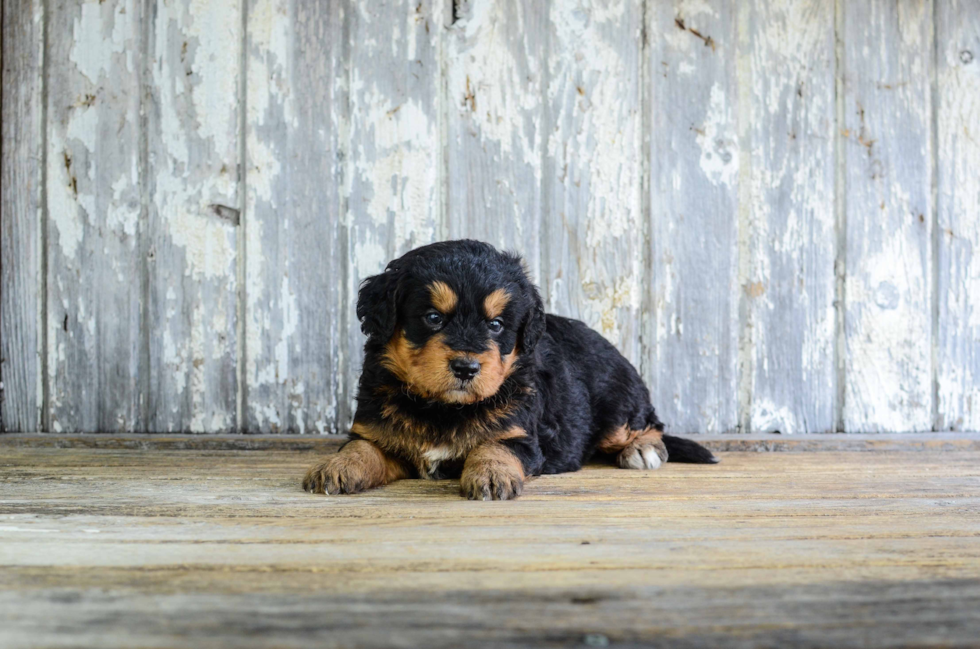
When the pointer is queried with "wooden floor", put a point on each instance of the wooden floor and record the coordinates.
(136, 543)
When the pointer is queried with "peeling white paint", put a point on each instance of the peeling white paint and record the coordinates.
(92, 214)
(888, 323)
(489, 90)
(193, 145)
(787, 234)
(269, 41)
(62, 204)
(715, 137)
(275, 369)
(499, 126)
(958, 185)
(215, 92)
(93, 44)
(396, 168)
(209, 245)
(125, 203)
(593, 151)
(768, 418)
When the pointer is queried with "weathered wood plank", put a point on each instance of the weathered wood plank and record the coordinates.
(887, 140)
(592, 230)
(376, 128)
(93, 202)
(294, 264)
(788, 290)
(496, 63)
(691, 313)
(192, 182)
(20, 200)
(958, 250)
(394, 172)
(868, 614)
(189, 547)
(815, 442)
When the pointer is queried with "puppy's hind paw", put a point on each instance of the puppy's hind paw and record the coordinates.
(644, 454)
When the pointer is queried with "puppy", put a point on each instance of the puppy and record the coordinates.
(466, 377)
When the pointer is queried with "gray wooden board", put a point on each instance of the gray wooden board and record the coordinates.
(676, 193)
(394, 167)
(495, 121)
(870, 613)
(592, 231)
(93, 214)
(958, 235)
(294, 263)
(888, 157)
(789, 240)
(194, 58)
(722, 443)
(20, 240)
(164, 548)
(691, 312)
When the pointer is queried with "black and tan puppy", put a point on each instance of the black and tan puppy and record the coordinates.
(465, 376)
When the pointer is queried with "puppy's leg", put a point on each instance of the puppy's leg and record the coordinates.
(492, 471)
(359, 465)
(635, 449)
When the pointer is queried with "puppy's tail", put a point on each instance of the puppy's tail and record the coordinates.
(684, 450)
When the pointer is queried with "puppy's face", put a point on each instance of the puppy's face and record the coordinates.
(454, 345)
(461, 320)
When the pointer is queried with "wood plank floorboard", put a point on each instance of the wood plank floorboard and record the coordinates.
(142, 544)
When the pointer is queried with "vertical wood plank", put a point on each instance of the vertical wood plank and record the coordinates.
(495, 113)
(789, 289)
(592, 266)
(691, 341)
(958, 260)
(294, 265)
(192, 182)
(20, 186)
(396, 160)
(888, 126)
(93, 201)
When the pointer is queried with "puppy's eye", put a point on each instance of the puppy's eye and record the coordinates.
(433, 319)
(495, 325)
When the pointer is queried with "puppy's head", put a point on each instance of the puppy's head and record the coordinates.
(451, 319)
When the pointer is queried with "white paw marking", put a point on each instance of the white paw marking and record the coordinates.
(640, 458)
(650, 458)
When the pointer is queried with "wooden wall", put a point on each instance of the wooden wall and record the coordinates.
(771, 207)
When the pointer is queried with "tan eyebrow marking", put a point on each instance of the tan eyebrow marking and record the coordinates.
(443, 298)
(495, 303)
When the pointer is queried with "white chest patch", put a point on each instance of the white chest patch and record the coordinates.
(433, 457)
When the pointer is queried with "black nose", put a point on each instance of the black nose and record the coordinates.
(464, 368)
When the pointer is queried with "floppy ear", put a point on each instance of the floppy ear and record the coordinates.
(533, 326)
(377, 305)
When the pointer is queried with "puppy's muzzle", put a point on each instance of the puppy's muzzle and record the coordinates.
(464, 369)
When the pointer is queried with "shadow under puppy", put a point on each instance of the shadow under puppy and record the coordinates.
(465, 376)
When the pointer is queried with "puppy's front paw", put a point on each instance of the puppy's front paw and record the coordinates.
(491, 483)
(492, 474)
(358, 466)
(335, 476)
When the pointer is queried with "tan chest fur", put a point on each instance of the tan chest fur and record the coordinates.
(425, 448)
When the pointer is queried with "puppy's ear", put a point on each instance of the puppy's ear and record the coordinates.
(377, 304)
(533, 326)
